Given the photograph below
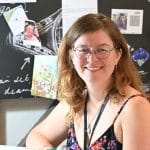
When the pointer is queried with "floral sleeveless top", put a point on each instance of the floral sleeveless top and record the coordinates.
(107, 141)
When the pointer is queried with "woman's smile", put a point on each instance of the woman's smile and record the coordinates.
(93, 68)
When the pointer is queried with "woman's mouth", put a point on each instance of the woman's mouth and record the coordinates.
(95, 68)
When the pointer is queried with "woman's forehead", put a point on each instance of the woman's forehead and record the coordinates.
(94, 38)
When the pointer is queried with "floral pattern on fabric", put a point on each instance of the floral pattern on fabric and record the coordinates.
(72, 143)
(107, 141)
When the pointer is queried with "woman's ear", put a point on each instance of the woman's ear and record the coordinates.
(71, 58)
(71, 54)
(119, 54)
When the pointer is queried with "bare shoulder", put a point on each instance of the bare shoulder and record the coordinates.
(136, 105)
(61, 109)
(135, 123)
(137, 102)
(63, 104)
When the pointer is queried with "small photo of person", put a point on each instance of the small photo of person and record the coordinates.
(120, 20)
(31, 35)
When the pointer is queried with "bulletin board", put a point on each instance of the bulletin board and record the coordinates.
(136, 41)
(16, 60)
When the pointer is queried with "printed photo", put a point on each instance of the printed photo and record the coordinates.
(44, 76)
(31, 35)
(129, 21)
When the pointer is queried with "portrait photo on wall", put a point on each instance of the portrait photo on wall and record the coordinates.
(31, 34)
(121, 20)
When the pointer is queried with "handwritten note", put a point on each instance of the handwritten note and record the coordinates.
(17, 84)
(17, 80)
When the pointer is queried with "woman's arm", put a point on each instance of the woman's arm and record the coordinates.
(51, 131)
(136, 124)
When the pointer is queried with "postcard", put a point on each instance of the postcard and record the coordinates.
(16, 18)
(44, 76)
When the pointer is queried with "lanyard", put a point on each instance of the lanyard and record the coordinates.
(96, 122)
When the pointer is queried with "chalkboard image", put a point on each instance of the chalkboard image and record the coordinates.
(50, 31)
(17, 58)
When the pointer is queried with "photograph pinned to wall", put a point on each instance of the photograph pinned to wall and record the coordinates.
(129, 21)
(44, 76)
(15, 19)
(31, 34)
(50, 33)
(23, 29)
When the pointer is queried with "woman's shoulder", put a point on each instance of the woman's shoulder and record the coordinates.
(63, 106)
(136, 105)
(134, 96)
(137, 102)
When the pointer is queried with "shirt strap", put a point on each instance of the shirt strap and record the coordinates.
(135, 95)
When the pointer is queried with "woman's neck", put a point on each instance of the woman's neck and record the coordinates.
(97, 94)
(98, 91)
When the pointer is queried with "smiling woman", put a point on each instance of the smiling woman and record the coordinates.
(99, 90)
(90, 62)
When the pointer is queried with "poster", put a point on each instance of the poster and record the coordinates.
(129, 21)
(72, 9)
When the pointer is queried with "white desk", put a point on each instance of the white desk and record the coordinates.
(6, 147)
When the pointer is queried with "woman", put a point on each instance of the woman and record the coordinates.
(102, 106)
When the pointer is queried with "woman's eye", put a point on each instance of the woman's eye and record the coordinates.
(101, 50)
(84, 50)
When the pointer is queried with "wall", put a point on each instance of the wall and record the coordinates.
(17, 116)
(136, 41)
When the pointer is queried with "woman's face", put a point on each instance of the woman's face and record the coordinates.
(29, 31)
(94, 57)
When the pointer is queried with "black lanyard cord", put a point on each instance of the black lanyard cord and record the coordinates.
(96, 122)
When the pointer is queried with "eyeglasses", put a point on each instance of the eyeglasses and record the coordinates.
(101, 52)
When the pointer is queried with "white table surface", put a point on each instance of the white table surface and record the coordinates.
(7, 147)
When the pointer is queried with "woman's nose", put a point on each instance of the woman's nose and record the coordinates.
(92, 55)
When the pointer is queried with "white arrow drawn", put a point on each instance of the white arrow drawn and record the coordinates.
(26, 60)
